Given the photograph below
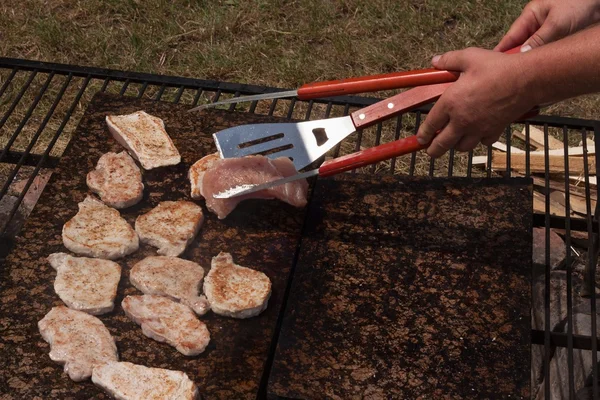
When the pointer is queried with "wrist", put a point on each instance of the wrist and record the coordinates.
(528, 88)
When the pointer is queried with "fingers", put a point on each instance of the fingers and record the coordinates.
(453, 60)
(548, 32)
(530, 20)
(518, 33)
(434, 122)
(467, 143)
(444, 141)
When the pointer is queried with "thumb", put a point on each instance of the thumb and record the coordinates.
(452, 60)
(546, 34)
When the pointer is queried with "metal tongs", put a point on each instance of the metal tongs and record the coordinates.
(255, 139)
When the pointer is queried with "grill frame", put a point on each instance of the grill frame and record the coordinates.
(85, 77)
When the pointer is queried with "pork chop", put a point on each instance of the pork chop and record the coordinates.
(127, 381)
(170, 226)
(145, 137)
(211, 176)
(78, 341)
(117, 180)
(196, 173)
(86, 284)
(165, 320)
(236, 291)
(178, 279)
(99, 231)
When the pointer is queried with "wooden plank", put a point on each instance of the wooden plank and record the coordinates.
(540, 182)
(556, 164)
(539, 205)
(536, 138)
(577, 204)
(503, 147)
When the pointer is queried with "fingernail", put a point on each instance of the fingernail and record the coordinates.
(435, 59)
(525, 48)
(421, 140)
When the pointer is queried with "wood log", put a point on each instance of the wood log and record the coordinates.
(556, 164)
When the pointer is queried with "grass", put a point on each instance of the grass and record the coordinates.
(266, 42)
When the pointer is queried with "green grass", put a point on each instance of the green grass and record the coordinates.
(266, 42)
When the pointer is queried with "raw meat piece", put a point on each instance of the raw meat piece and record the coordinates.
(209, 177)
(173, 277)
(86, 284)
(117, 180)
(170, 226)
(78, 341)
(145, 137)
(165, 320)
(99, 231)
(236, 291)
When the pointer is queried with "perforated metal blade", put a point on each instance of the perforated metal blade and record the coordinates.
(303, 142)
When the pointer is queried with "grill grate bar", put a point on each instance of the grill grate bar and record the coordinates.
(590, 272)
(142, 90)
(64, 122)
(377, 142)
(26, 118)
(396, 137)
(160, 92)
(179, 94)
(508, 151)
(451, 163)
(8, 81)
(413, 156)
(547, 273)
(18, 99)
(124, 87)
(232, 105)
(105, 84)
(569, 264)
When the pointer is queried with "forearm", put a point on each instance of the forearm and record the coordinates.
(564, 69)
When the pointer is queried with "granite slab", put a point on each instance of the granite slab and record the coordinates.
(410, 289)
(259, 234)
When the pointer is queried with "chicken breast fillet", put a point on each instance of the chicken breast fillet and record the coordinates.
(210, 176)
(117, 180)
(236, 291)
(145, 137)
(165, 320)
(127, 381)
(173, 277)
(99, 231)
(86, 284)
(170, 226)
(78, 341)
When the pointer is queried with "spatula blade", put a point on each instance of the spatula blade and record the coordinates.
(302, 142)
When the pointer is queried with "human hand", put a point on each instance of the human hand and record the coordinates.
(490, 93)
(545, 21)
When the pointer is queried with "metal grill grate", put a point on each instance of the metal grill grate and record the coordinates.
(41, 104)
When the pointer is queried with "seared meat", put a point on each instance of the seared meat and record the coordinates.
(99, 231)
(236, 291)
(173, 277)
(165, 320)
(127, 381)
(145, 137)
(117, 180)
(170, 226)
(86, 284)
(78, 341)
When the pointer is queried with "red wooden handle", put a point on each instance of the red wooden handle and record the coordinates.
(397, 104)
(374, 83)
(371, 156)
(383, 152)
